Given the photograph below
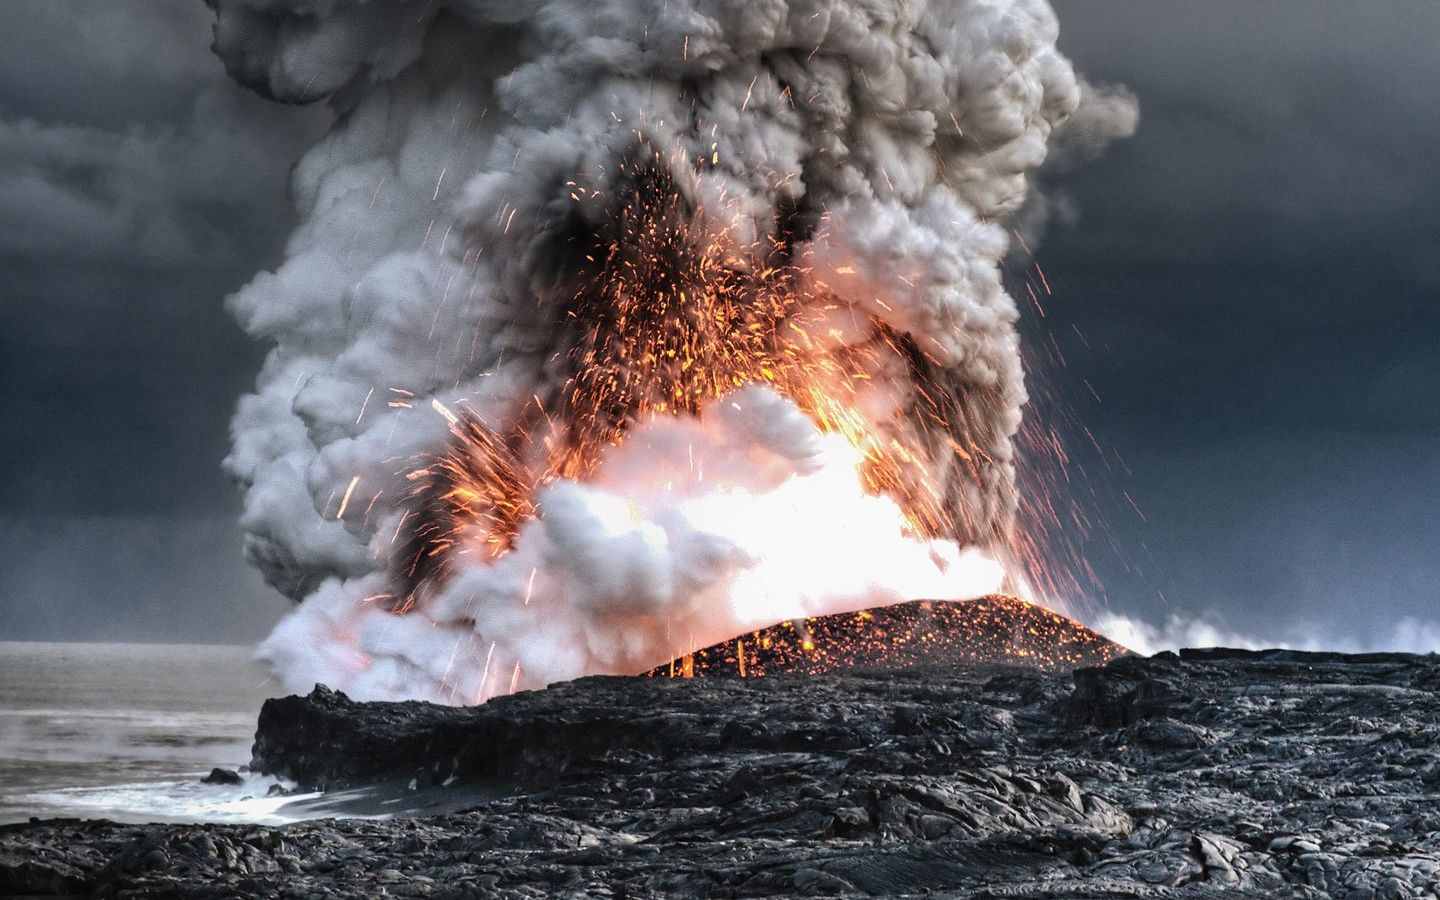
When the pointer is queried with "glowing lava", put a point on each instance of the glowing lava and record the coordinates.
(996, 629)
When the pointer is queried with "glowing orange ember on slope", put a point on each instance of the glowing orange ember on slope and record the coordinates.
(997, 629)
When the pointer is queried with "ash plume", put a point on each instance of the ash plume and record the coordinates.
(613, 329)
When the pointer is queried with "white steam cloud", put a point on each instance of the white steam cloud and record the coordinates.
(1406, 635)
(886, 144)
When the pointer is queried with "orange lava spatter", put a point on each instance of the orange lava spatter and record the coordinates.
(667, 313)
(999, 628)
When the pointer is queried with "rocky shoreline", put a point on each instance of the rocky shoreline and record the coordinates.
(1207, 773)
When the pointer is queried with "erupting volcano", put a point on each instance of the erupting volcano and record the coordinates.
(618, 329)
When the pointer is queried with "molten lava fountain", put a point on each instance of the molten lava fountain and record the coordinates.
(615, 328)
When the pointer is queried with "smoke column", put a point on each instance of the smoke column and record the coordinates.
(614, 328)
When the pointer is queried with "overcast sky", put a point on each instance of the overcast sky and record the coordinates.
(1250, 285)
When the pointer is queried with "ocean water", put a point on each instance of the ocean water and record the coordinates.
(126, 731)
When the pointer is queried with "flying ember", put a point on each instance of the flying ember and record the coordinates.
(668, 317)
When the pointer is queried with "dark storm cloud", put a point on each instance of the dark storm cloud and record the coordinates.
(1254, 278)
(1265, 254)
(1276, 136)
(137, 187)
(129, 147)
(1268, 245)
(78, 195)
(110, 65)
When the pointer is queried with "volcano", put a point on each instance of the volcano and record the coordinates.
(666, 324)
(996, 629)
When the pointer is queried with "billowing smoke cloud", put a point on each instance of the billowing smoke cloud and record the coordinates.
(538, 228)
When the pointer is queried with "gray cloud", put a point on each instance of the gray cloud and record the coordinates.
(180, 193)
(1250, 289)
(110, 65)
(137, 187)
(1308, 133)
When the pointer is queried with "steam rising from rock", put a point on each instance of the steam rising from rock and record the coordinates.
(483, 151)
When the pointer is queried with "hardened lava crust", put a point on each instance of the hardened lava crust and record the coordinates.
(1215, 773)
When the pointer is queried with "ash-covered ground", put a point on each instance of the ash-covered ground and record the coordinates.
(1210, 773)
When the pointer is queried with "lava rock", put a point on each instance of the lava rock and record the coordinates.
(1214, 773)
(222, 776)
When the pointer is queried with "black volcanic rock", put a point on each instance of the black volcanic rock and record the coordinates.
(1212, 773)
(222, 776)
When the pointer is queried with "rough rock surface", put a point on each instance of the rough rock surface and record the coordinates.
(1210, 773)
(998, 628)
